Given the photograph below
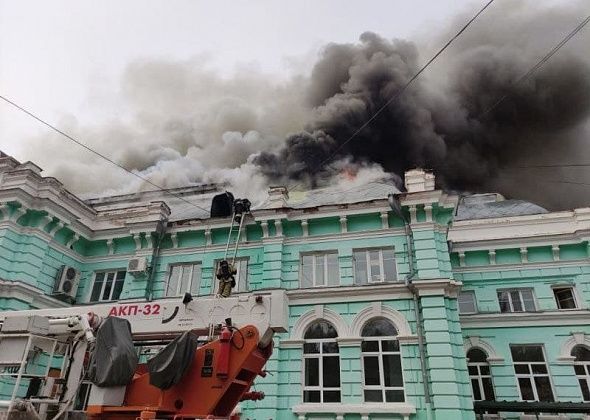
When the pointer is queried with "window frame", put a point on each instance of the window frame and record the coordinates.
(115, 273)
(320, 356)
(237, 263)
(531, 376)
(326, 270)
(586, 376)
(574, 296)
(511, 303)
(479, 377)
(380, 354)
(192, 265)
(367, 261)
(472, 294)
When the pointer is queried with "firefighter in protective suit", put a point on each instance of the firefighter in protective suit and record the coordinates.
(225, 274)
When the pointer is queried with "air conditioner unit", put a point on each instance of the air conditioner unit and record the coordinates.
(67, 282)
(137, 266)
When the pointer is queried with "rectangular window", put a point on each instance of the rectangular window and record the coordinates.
(564, 297)
(466, 302)
(532, 375)
(516, 300)
(107, 285)
(321, 378)
(320, 269)
(241, 266)
(374, 265)
(184, 278)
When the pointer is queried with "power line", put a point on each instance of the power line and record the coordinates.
(79, 143)
(539, 63)
(404, 87)
(556, 165)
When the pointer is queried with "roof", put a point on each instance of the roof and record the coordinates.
(487, 206)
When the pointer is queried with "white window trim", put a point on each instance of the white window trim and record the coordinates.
(472, 294)
(519, 290)
(479, 377)
(323, 254)
(531, 376)
(179, 285)
(379, 354)
(237, 262)
(105, 272)
(574, 295)
(381, 265)
(320, 387)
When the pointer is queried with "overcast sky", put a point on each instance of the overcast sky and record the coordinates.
(61, 58)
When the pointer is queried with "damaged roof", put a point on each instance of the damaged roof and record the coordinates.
(488, 206)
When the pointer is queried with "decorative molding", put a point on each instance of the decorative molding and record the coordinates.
(48, 219)
(338, 294)
(174, 239)
(555, 251)
(435, 287)
(461, 259)
(4, 211)
(404, 410)
(319, 312)
(384, 220)
(208, 240)
(349, 341)
(18, 213)
(73, 240)
(60, 225)
(29, 294)
(413, 218)
(343, 224)
(137, 239)
(474, 341)
(528, 319)
(111, 246)
(377, 310)
(428, 211)
(278, 227)
(264, 226)
(576, 339)
(524, 254)
(492, 256)
(305, 227)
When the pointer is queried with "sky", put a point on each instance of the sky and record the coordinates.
(68, 61)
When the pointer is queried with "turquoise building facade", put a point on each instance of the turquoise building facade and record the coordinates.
(402, 305)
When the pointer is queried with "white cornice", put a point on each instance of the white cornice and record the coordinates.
(340, 409)
(29, 294)
(523, 266)
(526, 319)
(338, 294)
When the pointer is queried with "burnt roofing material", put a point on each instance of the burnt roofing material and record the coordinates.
(487, 206)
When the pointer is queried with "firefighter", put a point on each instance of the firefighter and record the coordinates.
(241, 206)
(225, 274)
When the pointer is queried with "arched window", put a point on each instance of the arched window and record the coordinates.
(582, 368)
(321, 364)
(382, 366)
(480, 376)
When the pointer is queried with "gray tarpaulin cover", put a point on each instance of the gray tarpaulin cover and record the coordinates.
(114, 359)
(168, 366)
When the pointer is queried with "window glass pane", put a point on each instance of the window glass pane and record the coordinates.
(378, 327)
(392, 370)
(585, 389)
(484, 369)
(98, 281)
(312, 377)
(185, 277)
(579, 369)
(581, 353)
(516, 303)
(106, 295)
(544, 388)
(311, 396)
(331, 347)
(371, 370)
(522, 369)
(539, 368)
(466, 302)
(504, 300)
(307, 271)
(331, 371)
(526, 389)
(565, 298)
(331, 396)
(172, 289)
(370, 346)
(373, 395)
(472, 370)
(309, 348)
(389, 264)
(394, 395)
(529, 301)
(333, 273)
(527, 353)
(117, 289)
(475, 389)
(375, 266)
(242, 278)
(476, 355)
(196, 279)
(488, 389)
(320, 329)
(390, 345)
(360, 267)
(319, 270)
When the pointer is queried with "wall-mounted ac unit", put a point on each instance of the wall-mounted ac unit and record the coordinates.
(67, 282)
(137, 266)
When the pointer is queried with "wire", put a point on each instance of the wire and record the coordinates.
(556, 165)
(539, 63)
(403, 89)
(79, 143)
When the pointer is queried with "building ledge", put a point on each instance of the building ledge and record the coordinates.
(28, 294)
(340, 409)
(548, 318)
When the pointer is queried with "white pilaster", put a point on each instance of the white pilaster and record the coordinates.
(524, 255)
(555, 250)
(305, 227)
(428, 211)
(279, 227)
(174, 238)
(110, 246)
(343, 224)
(384, 220)
(264, 226)
(492, 256)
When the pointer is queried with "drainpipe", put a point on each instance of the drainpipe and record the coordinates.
(160, 232)
(396, 207)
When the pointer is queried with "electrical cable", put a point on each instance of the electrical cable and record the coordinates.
(403, 88)
(79, 143)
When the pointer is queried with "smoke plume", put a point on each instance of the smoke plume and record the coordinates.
(188, 125)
